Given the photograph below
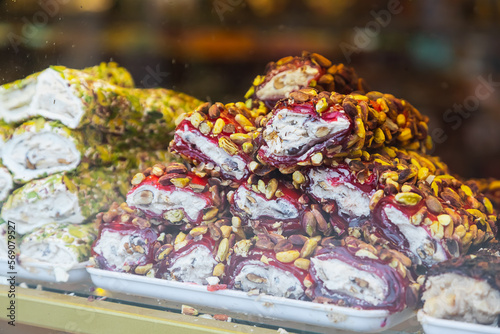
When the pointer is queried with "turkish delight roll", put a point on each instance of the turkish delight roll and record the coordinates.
(273, 265)
(269, 204)
(310, 70)
(219, 138)
(355, 274)
(464, 289)
(62, 198)
(198, 256)
(174, 195)
(126, 242)
(53, 92)
(6, 183)
(311, 128)
(61, 245)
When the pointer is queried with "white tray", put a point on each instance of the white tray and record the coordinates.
(368, 321)
(39, 271)
(433, 325)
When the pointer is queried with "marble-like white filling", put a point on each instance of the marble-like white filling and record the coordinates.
(194, 267)
(415, 235)
(163, 201)
(111, 246)
(276, 282)
(32, 155)
(276, 208)
(6, 183)
(283, 83)
(291, 133)
(457, 297)
(232, 165)
(15, 102)
(55, 99)
(58, 206)
(350, 200)
(47, 252)
(339, 276)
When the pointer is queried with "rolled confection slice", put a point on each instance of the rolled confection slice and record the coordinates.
(53, 93)
(62, 198)
(175, 196)
(436, 219)
(198, 257)
(355, 274)
(5, 133)
(219, 138)
(126, 243)
(464, 289)
(310, 70)
(344, 192)
(59, 245)
(38, 148)
(6, 183)
(279, 269)
(268, 204)
(311, 128)
(489, 187)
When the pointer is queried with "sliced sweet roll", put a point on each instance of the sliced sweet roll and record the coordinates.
(310, 128)
(310, 70)
(355, 274)
(269, 205)
(126, 242)
(172, 195)
(61, 245)
(344, 191)
(436, 219)
(219, 139)
(271, 264)
(196, 257)
(6, 183)
(464, 289)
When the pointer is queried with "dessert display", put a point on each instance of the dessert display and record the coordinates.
(314, 189)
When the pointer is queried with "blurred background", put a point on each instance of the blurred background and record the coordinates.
(442, 56)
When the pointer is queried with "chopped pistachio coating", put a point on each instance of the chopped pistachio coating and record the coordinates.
(64, 198)
(55, 243)
(49, 93)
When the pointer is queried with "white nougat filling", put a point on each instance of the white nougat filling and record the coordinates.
(111, 246)
(232, 165)
(283, 83)
(339, 276)
(34, 154)
(256, 206)
(55, 99)
(53, 205)
(163, 201)
(49, 252)
(457, 297)
(48, 95)
(291, 132)
(6, 183)
(194, 267)
(271, 280)
(351, 201)
(415, 235)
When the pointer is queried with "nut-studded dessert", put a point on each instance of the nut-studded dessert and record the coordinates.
(464, 289)
(62, 198)
(172, 195)
(219, 138)
(310, 70)
(311, 128)
(268, 204)
(125, 242)
(355, 274)
(489, 187)
(271, 264)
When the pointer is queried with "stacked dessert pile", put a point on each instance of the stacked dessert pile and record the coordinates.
(312, 189)
(68, 141)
